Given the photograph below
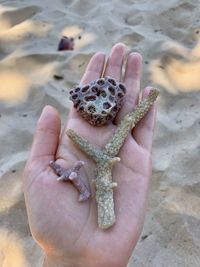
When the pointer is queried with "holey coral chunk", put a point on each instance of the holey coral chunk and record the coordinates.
(106, 157)
(99, 101)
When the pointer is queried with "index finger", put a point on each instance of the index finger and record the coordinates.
(46, 136)
(94, 68)
(93, 71)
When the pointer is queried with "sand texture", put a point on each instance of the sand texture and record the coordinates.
(167, 33)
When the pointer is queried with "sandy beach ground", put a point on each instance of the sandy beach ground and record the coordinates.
(167, 33)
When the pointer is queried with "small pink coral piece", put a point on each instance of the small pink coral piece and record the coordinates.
(72, 174)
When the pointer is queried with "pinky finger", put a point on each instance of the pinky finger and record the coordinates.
(143, 132)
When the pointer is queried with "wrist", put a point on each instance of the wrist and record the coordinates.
(52, 261)
(55, 262)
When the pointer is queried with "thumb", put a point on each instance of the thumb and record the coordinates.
(47, 134)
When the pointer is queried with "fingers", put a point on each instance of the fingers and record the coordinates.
(47, 135)
(115, 61)
(94, 69)
(113, 69)
(132, 84)
(96, 66)
(143, 132)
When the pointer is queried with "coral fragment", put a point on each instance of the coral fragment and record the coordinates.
(106, 157)
(72, 174)
(99, 101)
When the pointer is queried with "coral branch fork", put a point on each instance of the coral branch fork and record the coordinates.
(106, 157)
(73, 175)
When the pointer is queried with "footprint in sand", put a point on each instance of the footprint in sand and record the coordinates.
(132, 39)
(134, 17)
(178, 68)
(10, 18)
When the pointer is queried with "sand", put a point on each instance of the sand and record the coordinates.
(167, 33)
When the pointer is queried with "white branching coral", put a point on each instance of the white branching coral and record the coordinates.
(106, 157)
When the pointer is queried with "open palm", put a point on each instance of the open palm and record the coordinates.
(66, 229)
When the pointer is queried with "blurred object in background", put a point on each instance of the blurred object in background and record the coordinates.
(66, 43)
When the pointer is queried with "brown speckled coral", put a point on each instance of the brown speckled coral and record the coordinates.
(99, 101)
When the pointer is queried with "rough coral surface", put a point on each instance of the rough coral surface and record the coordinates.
(99, 101)
(73, 175)
(106, 157)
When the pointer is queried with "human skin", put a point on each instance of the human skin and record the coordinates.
(65, 229)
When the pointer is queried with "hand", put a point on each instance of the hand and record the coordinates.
(66, 229)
